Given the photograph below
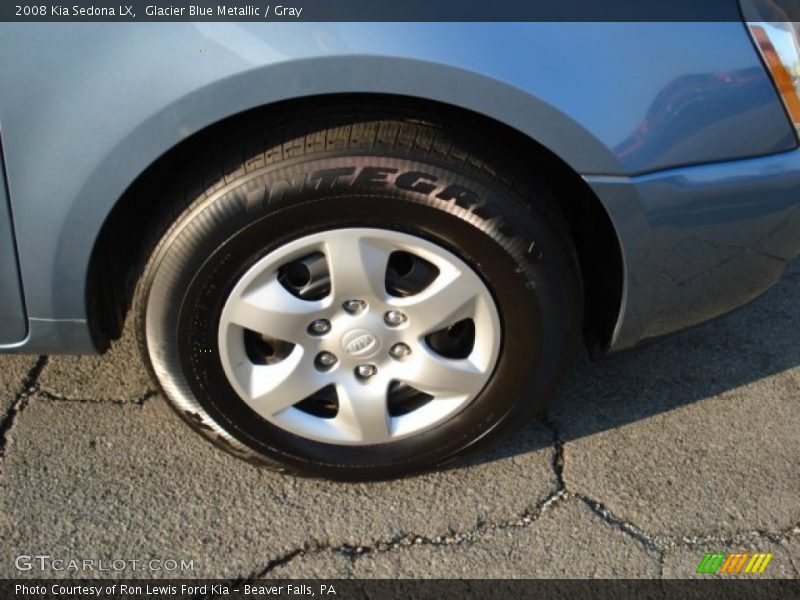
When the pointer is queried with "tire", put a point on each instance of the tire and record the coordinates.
(424, 219)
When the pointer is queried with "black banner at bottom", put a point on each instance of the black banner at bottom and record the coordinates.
(433, 589)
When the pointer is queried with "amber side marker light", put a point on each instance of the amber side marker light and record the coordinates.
(784, 81)
(777, 38)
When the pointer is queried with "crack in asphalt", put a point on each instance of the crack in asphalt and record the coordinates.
(629, 529)
(659, 546)
(30, 389)
(557, 461)
(558, 464)
(663, 545)
(30, 386)
(140, 401)
(653, 543)
(451, 538)
(407, 540)
(737, 539)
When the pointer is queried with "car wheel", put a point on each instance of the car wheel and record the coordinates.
(360, 299)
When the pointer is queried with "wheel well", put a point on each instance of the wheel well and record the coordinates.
(116, 257)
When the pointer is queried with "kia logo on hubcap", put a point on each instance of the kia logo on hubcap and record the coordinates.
(360, 343)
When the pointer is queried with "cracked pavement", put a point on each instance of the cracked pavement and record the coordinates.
(644, 462)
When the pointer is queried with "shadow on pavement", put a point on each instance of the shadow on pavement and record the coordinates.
(756, 342)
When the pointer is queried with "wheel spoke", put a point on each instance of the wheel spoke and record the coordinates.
(271, 310)
(450, 298)
(357, 266)
(440, 376)
(273, 388)
(363, 411)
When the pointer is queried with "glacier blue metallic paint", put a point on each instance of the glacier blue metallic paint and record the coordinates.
(85, 108)
(12, 312)
(701, 241)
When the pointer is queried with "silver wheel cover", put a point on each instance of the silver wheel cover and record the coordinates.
(381, 343)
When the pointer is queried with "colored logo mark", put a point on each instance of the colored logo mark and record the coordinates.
(737, 563)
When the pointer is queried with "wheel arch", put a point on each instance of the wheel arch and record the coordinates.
(115, 257)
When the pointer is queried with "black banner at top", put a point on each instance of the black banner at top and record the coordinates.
(369, 10)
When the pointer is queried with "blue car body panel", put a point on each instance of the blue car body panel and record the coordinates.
(85, 109)
(13, 324)
(701, 241)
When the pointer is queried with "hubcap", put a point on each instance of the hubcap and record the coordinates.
(396, 336)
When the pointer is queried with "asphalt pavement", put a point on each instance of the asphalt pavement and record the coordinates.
(645, 462)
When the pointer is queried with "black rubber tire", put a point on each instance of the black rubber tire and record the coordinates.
(444, 184)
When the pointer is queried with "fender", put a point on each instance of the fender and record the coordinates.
(96, 112)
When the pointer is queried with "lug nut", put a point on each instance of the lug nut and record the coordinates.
(393, 318)
(366, 371)
(354, 306)
(319, 327)
(399, 351)
(325, 360)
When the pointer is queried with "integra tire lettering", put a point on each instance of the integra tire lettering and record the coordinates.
(369, 176)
